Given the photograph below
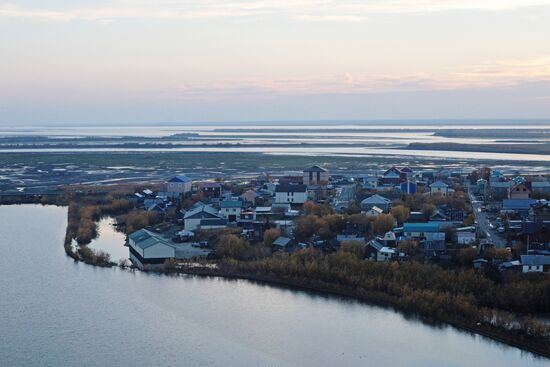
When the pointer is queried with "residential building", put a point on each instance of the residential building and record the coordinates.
(441, 188)
(408, 187)
(193, 217)
(420, 230)
(231, 209)
(292, 194)
(315, 175)
(535, 263)
(520, 190)
(149, 250)
(376, 251)
(179, 185)
(376, 200)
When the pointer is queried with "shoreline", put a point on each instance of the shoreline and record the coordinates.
(378, 299)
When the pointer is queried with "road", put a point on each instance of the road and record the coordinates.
(483, 224)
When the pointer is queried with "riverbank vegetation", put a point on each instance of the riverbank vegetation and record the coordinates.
(503, 305)
(86, 209)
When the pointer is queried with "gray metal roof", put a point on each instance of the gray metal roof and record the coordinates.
(144, 239)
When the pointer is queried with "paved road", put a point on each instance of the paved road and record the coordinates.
(483, 224)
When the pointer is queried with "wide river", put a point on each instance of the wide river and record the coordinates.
(55, 312)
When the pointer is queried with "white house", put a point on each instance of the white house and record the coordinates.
(231, 209)
(292, 194)
(192, 218)
(178, 185)
(535, 263)
(440, 187)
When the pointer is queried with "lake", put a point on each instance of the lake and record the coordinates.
(55, 312)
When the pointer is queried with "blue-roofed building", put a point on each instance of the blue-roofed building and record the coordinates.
(178, 185)
(419, 230)
(520, 206)
(408, 187)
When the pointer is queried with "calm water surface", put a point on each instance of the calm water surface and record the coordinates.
(55, 312)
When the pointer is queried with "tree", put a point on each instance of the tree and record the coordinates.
(408, 246)
(361, 222)
(383, 223)
(466, 255)
(320, 210)
(353, 247)
(271, 235)
(400, 213)
(232, 246)
(170, 265)
(336, 223)
(353, 208)
(306, 227)
(428, 210)
(470, 220)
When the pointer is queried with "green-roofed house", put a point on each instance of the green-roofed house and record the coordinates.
(419, 230)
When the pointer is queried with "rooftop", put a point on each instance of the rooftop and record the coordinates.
(180, 178)
(291, 188)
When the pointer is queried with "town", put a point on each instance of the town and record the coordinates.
(483, 219)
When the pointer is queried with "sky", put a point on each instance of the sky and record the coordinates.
(125, 62)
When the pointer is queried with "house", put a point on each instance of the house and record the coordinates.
(289, 178)
(370, 182)
(374, 211)
(292, 194)
(434, 244)
(520, 189)
(376, 251)
(231, 209)
(419, 230)
(315, 175)
(535, 263)
(192, 218)
(282, 243)
(250, 196)
(440, 187)
(212, 223)
(149, 250)
(408, 187)
(407, 171)
(465, 235)
(211, 189)
(520, 206)
(179, 185)
(392, 176)
(376, 200)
